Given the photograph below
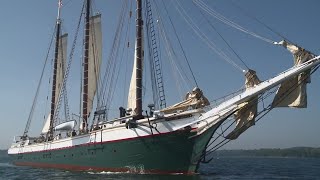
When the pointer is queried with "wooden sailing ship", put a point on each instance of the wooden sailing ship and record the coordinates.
(165, 140)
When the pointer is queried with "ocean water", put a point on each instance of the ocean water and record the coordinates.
(220, 168)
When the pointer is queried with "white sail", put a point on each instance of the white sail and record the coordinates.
(46, 125)
(245, 116)
(132, 89)
(61, 67)
(61, 64)
(95, 56)
(293, 92)
(132, 95)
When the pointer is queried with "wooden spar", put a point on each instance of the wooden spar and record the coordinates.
(54, 77)
(256, 90)
(85, 69)
(139, 56)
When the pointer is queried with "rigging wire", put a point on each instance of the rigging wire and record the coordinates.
(262, 113)
(149, 30)
(111, 66)
(120, 65)
(259, 21)
(114, 79)
(204, 37)
(112, 56)
(248, 14)
(66, 3)
(155, 60)
(127, 56)
(46, 110)
(26, 130)
(66, 75)
(172, 58)
(215, 29)
(228, 22)
(183, 51)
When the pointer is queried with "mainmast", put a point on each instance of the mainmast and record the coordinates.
(86, 69)
(55, 67)
(139, 57)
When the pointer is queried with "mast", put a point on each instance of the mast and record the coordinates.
(139, 56)
(55, 66)
(85, 69)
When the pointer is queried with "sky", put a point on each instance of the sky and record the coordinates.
(27, 27)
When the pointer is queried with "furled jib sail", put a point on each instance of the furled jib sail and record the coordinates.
(293, 92)
(95, 56)
(61, 67)
(245, 116)
(193, 100)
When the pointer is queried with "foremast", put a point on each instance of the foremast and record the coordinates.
(54, 76)
(135, 90)
(139, 56)
(86, 69)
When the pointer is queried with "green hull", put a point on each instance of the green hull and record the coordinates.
(176, 152)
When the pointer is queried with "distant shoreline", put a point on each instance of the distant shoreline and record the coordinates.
(273, 152)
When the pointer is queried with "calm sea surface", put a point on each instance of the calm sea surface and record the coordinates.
(219, 168)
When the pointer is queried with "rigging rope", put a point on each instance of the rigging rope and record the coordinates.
(172, 57)
(183, 51)
(66, 75)
(127, 56)
(108, 79)
(256, 19)
(26, 130)
(215, 29)
(228, 22)
(203, 37)
(155, 61)
(260, 115)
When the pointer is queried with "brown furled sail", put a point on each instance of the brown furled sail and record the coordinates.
(247, 111)
(293, 92)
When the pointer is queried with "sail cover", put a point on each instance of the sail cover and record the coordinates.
(245, 116)
(95, 56)
(293, 92)
(66, 126)
(193, 100)
(61, 67)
